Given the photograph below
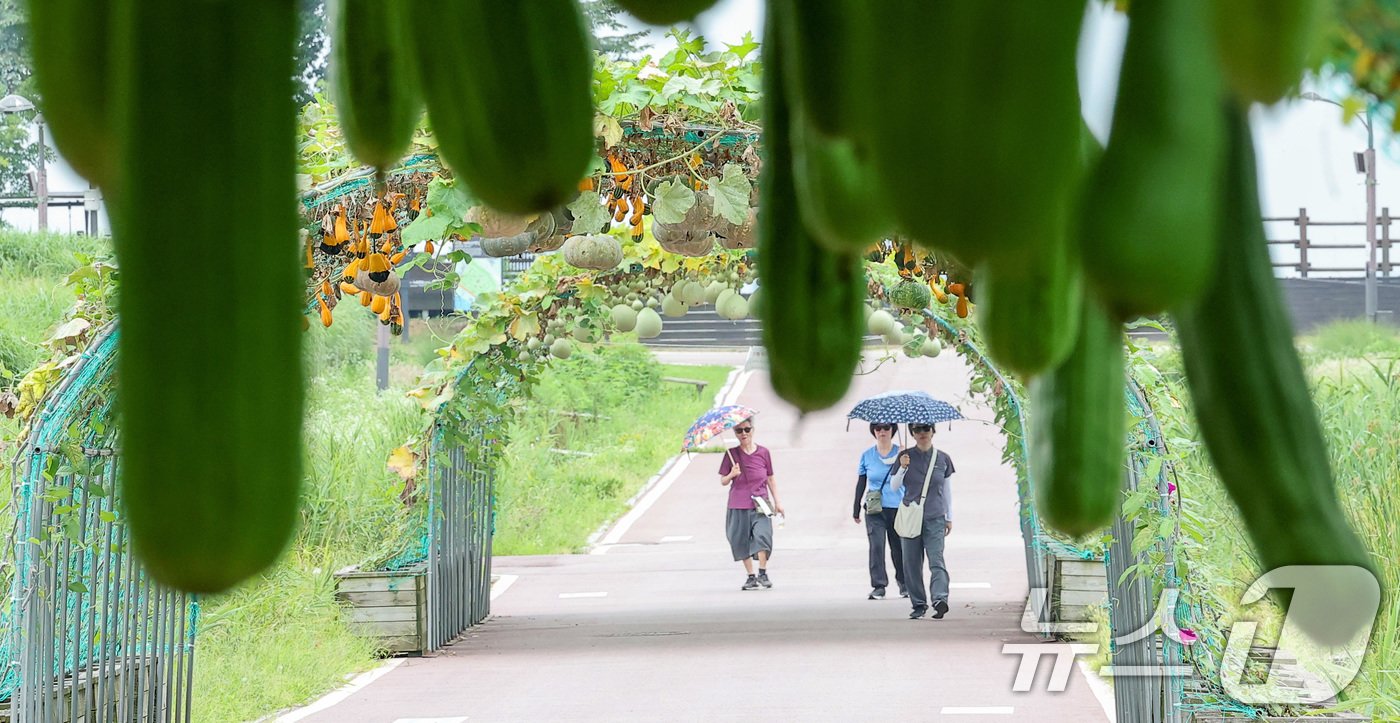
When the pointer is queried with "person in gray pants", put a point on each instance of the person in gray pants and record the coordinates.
(874, 471)
(915, 466)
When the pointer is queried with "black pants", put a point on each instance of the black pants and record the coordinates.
(879, 529)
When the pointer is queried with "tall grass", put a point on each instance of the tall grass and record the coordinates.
(280, 639)
(1358, 401)
(1359, 410)
(45, 255)
(565, 473)
(1353, 338)
(33, 297)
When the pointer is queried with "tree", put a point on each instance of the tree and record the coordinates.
(313, 48)
(602, 16)
(17, 151)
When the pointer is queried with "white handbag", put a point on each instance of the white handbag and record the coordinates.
(909, 520)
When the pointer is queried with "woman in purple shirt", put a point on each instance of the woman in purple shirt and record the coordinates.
(747, 470)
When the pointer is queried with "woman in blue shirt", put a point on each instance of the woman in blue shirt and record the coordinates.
(875, 470)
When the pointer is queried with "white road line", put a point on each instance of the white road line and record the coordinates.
(574, 595)
(351, 688)
(969, 585)
(737, 388)
(502, 584)
(1101, 691)
(678, 538)
(978, 710)
(625, 523)
(454, 719)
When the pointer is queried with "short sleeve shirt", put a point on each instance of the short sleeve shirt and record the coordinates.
(752, 480)
(877, 473)
(939, 500)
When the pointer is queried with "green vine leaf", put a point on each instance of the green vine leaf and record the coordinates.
(673, 200)
(426, 228)
(627, 99)
(731, 194)
(590, 214)
(449, 204)
(524, 326)
(607, 128)
(745, 47)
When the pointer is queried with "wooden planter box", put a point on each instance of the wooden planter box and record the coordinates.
(389, 606)
(1077, 587)
(1286, 673)
(86, 688)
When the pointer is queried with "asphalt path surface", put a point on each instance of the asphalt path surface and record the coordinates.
(652, 624)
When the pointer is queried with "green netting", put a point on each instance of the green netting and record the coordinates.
(364, 178)
(74, 587)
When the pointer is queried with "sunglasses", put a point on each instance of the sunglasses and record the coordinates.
(920, 428)
(884, 427)
(743, 430)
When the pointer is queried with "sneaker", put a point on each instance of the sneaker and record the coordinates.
(940, 608)
(917, 613)
(876, 594)
(763, 580)
(751, 583)
(904, 593)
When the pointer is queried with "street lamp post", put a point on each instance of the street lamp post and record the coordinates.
(19, 104)
(1370, 159)
(1366, 163)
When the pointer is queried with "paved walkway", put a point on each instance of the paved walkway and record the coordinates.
(654, 627)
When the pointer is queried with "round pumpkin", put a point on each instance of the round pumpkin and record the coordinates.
(497, 224)
(547, 236)
(740, 236)
(599, 252)
(499, 246)
(666, 233)
(700, 219)
(691, 246)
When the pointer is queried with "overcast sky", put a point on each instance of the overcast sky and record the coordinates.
(1304, 148)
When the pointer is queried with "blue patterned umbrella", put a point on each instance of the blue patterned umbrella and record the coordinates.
(904, 407)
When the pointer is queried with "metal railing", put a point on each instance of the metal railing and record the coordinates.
(91, 638)
(459, 541)
(1309, 243)
(1153, 689)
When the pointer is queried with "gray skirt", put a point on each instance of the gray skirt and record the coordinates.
(749, 533)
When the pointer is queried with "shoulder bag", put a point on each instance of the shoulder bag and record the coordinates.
(909, 521)
(873, 503)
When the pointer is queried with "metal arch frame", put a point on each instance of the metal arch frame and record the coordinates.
(131, 656)
(459, 534)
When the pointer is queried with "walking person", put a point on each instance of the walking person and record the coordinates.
(923, 479)
(747, 469)
(876, 467)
